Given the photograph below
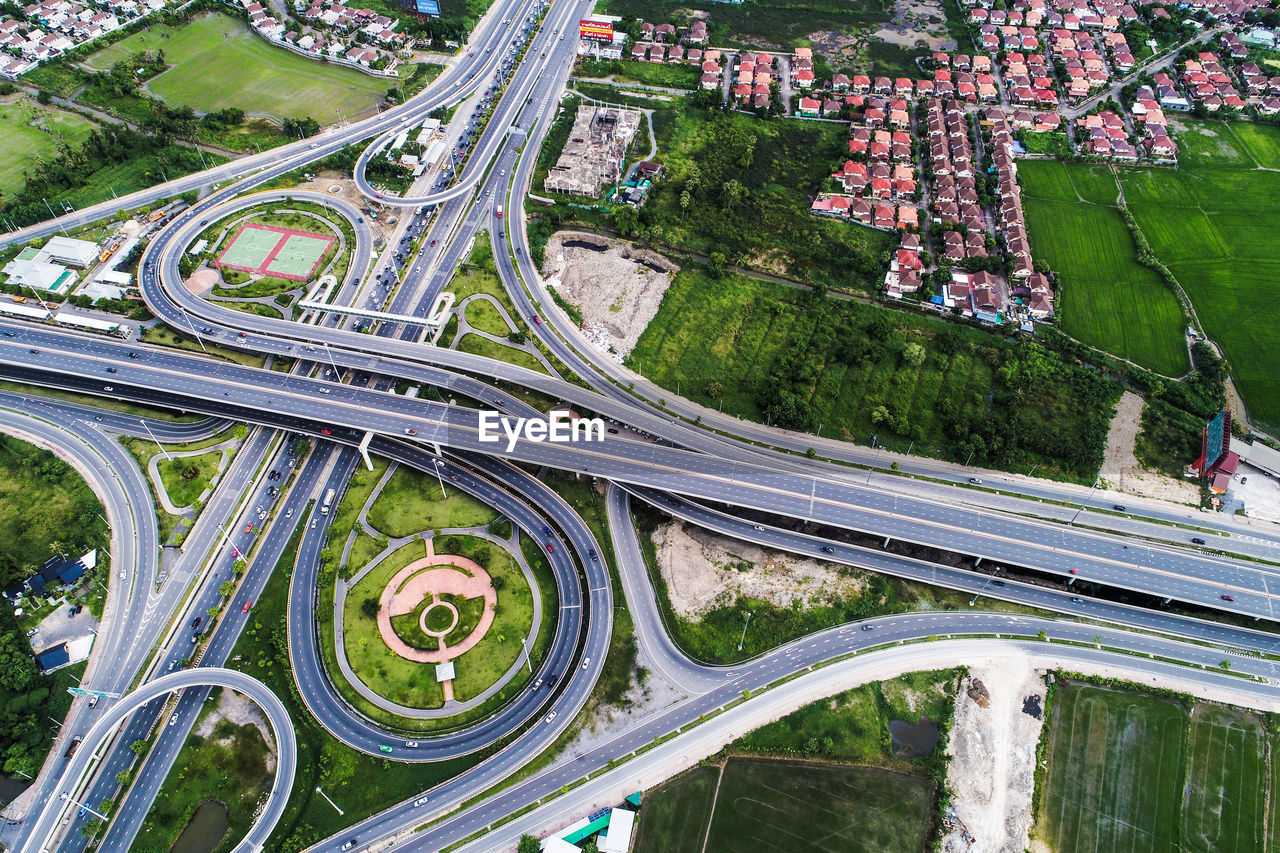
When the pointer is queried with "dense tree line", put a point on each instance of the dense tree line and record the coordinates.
(74, 168)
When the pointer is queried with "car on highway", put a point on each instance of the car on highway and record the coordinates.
(421, 801)
(593, 555)
(1077, 601)
(586, 662)
(173, 721)
(537, 319)
(1196, 540)
(410, 744)
(550, 550)
(1075, 571)
(248, 605)
(351, 842)
(537, 684)
(551, 716)
(757, 527)
(546, 530)
(827, 549)
(1118, 507)
(977, 481)
(410, 431)
(867, 627)
(382, 747)
(1228, 598)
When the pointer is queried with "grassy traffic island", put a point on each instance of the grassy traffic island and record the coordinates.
(398, 629)
(838, 774)
(219, 779)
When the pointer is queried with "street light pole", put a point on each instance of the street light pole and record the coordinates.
(159, 446)
(329, 801)
(99, 815)
(984, 588)
(743, 639)
(526, 655)
(440, 462)
(1082, 503)
(192, 326)
(337, 375)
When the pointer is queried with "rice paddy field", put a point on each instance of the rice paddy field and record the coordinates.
(1105, 299)
(1127, 771)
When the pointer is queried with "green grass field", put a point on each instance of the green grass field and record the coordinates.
(29, 131)
(218, 62)
(1212, 222)
(1115, 770)
(411, 502)
(767, 805)
(1106, 299)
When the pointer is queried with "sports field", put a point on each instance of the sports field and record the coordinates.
(218, 62)
(281, 252)
(1129, 772)
(1213, 222)
(1106, 299)
(28, 131)
(768, 805)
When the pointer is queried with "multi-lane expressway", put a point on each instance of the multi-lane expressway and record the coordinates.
(702, 464)
(1207, 580)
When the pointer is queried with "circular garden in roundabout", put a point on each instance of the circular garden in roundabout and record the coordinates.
(441, 630)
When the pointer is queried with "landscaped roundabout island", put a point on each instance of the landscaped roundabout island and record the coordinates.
(431, 634)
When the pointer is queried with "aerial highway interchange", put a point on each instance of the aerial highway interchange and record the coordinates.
(740, 479)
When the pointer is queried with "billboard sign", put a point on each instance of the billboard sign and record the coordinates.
(1215, 442)
(595, 30)
(429, 7)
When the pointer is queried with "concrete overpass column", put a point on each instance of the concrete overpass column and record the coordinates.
(364, 450)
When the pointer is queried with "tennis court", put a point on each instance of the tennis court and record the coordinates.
(279, 252)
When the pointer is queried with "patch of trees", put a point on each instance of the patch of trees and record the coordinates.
(74, 168)
(300, 127)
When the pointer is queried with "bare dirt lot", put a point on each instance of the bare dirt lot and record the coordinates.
(704, 570)
(617, 288)
(993, 756)
(1121, 470)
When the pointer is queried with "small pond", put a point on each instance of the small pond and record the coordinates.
(205, 830)
(912, 739)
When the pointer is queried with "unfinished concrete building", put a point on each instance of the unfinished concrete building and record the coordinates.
(594, 154)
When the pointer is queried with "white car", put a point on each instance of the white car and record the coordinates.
(421, 801)
(122, 574)
(551, 716)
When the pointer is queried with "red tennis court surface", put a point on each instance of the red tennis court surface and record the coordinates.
(279, 252)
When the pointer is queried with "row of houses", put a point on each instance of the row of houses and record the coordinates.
(50, 28)
(332, 34)
(695, 33)
(905, 217)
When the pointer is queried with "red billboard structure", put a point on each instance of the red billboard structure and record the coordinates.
(595, 30)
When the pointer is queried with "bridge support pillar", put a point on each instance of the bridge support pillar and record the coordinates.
(364, 450)
(977, 562)
(887, 540)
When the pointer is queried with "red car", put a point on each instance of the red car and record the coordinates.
(248, 528)
(537, 319)
(326, 431)
(1075, 571)
(1228, 598)
(550, 550)
(246, 607)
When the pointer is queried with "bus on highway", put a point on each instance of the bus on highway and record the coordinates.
(328, 501)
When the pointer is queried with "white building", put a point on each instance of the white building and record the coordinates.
(77, 253)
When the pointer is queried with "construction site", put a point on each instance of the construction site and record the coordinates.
(594, 154)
